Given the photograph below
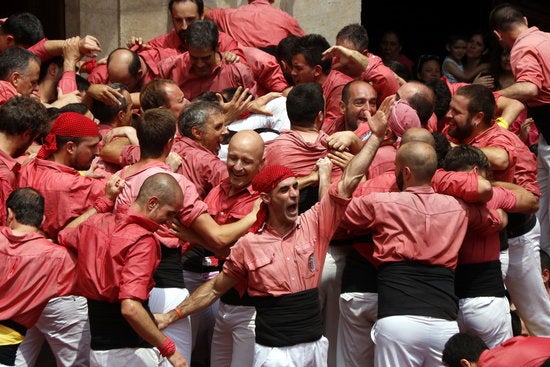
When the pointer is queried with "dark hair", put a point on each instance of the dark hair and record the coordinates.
(27, 205)
(442, 147)
(464, 157)
(312, 47)
(544, 260)
(422, 101)
(22, 113)
(154, 129)
(57, 60)
(399, 69)
(462, 346)
(503, 17)
(199, 3)
(481, 99)
(106, 113)
(424, 59)
(442, 97)
(78, 107)
(196, 115)
(356, 34)
(303, 104)
(82, 84)
(284, 48)
(25, 28)
(153, 95)
(203, 34)
(14, 59)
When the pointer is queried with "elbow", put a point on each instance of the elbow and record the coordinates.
(129, 309)
(484, 191)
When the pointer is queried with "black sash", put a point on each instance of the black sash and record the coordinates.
(519, 224)
(110, 330)
(416, 289)
(541, 115)
(359, 275)
(289, 319)
(479, 280)
(169, 273)
(9, 352)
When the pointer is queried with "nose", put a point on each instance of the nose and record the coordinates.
(184, 25)
(293, 192)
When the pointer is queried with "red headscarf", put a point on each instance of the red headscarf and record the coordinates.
(265, 181)
(69, 124)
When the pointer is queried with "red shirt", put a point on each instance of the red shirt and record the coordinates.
(332, 91)
(33, 270)
(200, 166)
(117, 256)
(267, 71)
(478, 248)
(381, 77)
(274, 265)
(242, 24)
(192, 205)
(383, 161)
(519, 351)
(405, 224)
(7, 91)
(9, 171)
(173, 41)
(291, 150)
(39, 49)
(228, 209)
(178, 69)
(67, 194)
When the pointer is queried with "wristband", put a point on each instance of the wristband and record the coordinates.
(180, 315)
(167, 348)
(502, 122)
(103, 205)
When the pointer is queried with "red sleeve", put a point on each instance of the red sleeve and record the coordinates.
(67, 83)
(459, 184)
(99, 75)
(140, 264)
(381, 77)
(39, 49)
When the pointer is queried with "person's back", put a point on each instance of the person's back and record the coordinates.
(242, 24)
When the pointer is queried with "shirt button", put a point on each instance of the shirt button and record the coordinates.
(288, 258)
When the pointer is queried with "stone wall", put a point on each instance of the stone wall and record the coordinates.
(114, 22)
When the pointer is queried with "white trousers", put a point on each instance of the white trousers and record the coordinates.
(312, 354)
(543, 177)
(411, 341)
(135, 357)
(487, 317)
(162, 300)
(524, 282)
(329, 296)
(358, 313)
(234, 336)
(64, 324)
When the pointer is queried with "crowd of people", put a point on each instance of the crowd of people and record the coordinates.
(238, 192)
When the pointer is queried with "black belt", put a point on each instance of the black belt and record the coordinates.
(520, 224)
(289, 319)
(541, 115)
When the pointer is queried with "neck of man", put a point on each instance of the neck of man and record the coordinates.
(8, 144)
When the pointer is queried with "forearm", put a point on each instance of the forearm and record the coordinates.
(218, 238)
(522, 91)
(113, 150)
(498, 158)
(141, 322)
(357, 167)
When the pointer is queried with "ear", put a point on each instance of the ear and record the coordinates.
(546, 275)
(196, 132)
(265, 198)
(10, 40)
(14, 78)
(465, 363)
(10, 217)
(342, 107)
(152, 203)
(53, 69)
(319, 119)
(317, 70)
(71, 147)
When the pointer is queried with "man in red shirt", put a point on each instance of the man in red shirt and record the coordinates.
(471, 122)
(70, 146)
(34, 268)
(115, 274)
(22, 119)
(308, 66)
(242, 24)
(19, 72)
(202, 68)
(281, 262)
(466, 350)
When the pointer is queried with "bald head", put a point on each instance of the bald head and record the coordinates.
(160, 185)
(418, 161)
(123, 66)
(244, 158)
(420, 97)
(418, 134)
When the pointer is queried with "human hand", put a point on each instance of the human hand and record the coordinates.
(122, 131)
(347, 59)
(174, 161)
(71, 52)
(162, 320)
(230, 58)
(379, 122)
(89, 46)
(341, 159)
(177, 360)
(259, 104)
(113, 187)
(236, 106)
(137, 41)
(341, 140)
(105, 94)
